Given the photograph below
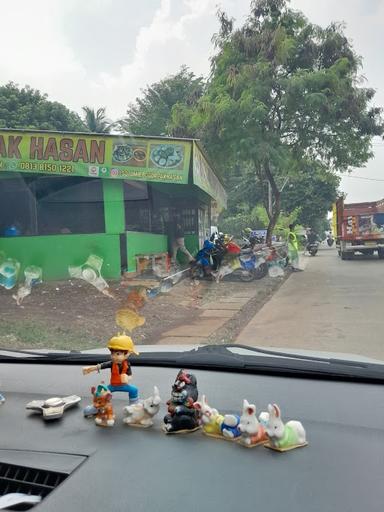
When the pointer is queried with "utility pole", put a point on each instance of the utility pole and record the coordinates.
(269, 199)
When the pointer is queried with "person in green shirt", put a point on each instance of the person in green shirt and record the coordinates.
(293, 249)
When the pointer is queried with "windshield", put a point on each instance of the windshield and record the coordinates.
(191, 176)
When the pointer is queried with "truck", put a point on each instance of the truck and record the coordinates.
(359, 228)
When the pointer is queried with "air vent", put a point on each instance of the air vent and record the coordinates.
(34, 481)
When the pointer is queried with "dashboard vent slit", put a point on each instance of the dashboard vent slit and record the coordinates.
(34, 481)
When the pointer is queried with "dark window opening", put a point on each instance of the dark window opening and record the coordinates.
(17, 207)
(137, 206)
(69, 205)
(51, 206)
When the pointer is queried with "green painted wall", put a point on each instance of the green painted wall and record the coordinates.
(114, 211)
(192, 244)
(143, 243)
(56, 252)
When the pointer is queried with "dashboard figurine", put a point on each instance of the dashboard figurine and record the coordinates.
(252, 432)
(142, 413)
(53, 408)
(283, 437)
(215, 424)
(120, 346)
(102, 402)
(230, 427)
(210, 419)
(182, 417)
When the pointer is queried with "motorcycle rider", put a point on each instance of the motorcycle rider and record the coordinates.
(203, 257)
(312, 238)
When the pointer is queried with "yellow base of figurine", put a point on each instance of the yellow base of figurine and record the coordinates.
(186, 431)
(287, 449)
(220, 436)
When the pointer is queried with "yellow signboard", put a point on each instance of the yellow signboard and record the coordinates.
(109, 156)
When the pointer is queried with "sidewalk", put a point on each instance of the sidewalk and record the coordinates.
(274, 324)
(211, 318)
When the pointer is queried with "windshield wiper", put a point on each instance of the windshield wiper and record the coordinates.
(222, 358)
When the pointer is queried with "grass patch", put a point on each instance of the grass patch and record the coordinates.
(27, 334)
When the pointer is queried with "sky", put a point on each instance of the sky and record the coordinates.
(104, 52)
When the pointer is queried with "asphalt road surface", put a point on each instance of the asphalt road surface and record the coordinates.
(333, 306)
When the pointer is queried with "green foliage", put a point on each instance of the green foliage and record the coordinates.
(284, 96)
(314, 189)
(257, 218)
(282, 223)
(151, 114)
(24, 107)
(235, 224)
(96, 122)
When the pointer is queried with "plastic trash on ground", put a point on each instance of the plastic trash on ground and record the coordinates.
(90, 272)
(9, 271)
(33, 276)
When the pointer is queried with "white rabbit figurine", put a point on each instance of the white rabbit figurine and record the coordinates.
(252, 432)
(210, 418)
(142, 413)
(283, 437)
(215, 424)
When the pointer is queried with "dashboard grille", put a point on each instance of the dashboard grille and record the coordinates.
(34, 481)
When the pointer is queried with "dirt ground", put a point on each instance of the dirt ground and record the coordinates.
(73, 315)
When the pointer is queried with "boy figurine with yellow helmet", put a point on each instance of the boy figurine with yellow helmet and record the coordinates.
(121, 346)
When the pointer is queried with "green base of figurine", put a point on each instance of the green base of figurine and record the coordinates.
(287, 449)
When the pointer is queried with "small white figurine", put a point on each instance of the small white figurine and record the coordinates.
(283, 437)
(252, 432)
(210, 418)
(141, 414)
(215, 424)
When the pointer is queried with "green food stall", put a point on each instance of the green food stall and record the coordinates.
(69, 195)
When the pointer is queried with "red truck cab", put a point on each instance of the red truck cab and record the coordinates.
(360, 228)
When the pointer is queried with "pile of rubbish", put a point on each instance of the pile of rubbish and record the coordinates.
(253, 259)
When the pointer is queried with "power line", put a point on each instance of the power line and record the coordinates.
(361, 178)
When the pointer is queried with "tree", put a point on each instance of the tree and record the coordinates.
(24, 107)
(284, 95)
(313, 192)
(151, 114)
(96, 122)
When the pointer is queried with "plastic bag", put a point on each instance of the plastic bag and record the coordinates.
(90, 271)
(9, 271)
(275, 270)
(33, 276)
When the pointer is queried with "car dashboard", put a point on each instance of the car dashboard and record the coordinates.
(125, 468)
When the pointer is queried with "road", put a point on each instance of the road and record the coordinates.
(333, 306)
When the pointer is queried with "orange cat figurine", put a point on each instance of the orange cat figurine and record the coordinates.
(102, 402)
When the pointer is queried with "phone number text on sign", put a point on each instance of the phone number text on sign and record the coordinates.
(46, 167)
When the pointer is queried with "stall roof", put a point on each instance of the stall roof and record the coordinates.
(134, 157)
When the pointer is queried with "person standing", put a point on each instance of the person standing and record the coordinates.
(178, 243)
(293, 248)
